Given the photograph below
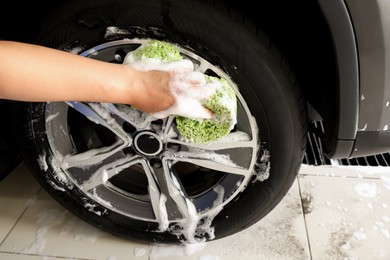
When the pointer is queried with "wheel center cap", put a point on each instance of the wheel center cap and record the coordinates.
(148, 143)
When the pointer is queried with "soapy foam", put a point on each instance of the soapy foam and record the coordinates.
(42, 162)
(188, 87)
(51, 117)
(191, 227)
(223, 159)
(114, 31)
(205, 227)
(204, 131)
(190, 224)
(163, 214)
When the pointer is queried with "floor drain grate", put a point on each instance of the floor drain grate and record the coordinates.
(314, 153)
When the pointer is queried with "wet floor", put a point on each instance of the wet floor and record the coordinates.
(331, 212)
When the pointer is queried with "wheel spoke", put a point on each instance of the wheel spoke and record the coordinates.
(135, 117)
(210, 160)
(92, 157)
(229, 154)
(99, 114)
(109, 170)
(171, 201)
(231, 141)
(157, 199)
(168, 130)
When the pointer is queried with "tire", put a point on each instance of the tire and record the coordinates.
(121, 188)
(10, 157)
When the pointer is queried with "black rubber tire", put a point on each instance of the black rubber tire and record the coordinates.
(219, 34)
(10, 157)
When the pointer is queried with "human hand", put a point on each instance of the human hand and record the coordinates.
(152, 91)
(173, 88)
(188, 90)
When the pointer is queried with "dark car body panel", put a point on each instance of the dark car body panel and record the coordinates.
(341, 142)
(371, 25)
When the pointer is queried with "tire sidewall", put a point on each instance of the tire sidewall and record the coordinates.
(238, 48)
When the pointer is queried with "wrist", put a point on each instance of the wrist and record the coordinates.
(130, 85)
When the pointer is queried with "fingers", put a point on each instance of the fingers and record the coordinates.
(192, 84)
(187, 87)
(200, 112)
(186, 107)
(182, 66)
(202, 92)
(193, 109)
(161, 114)
(189, 91)
(194, 78)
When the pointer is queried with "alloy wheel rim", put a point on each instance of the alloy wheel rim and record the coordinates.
(103, 168)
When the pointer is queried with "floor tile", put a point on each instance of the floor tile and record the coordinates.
(280, 235)
(17, 191)
(346, 171)
(47, 229)
(347, 218)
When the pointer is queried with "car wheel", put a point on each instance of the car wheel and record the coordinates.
(134, 176)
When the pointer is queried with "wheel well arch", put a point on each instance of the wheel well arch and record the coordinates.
(317, 39)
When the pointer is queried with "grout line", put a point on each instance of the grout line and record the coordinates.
(341, 176)
(43, 256)
(370, 172)
(32, 254)
(304, 219)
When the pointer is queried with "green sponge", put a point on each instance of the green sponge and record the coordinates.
(224, 106)
(222, 103)
(154, 49)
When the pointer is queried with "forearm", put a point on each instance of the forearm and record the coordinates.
(35, 73)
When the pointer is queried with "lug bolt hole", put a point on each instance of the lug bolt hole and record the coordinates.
(155, 163)
(129, 151)
(174, 147)
(128, 128)
(157, 124)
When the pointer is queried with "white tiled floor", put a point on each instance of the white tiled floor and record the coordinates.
(330, 213)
